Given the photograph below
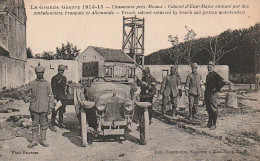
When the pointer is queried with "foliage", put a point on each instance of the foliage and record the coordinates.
(29, 52)
(182, 51)
(236, 48)
(67, 52)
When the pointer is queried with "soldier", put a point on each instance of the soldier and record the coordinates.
(170, 89)
(41, 104)
(58, 84)
(214, 82)
(148, 89)
(193, 89)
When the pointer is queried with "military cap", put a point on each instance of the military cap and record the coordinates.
(61, 67)
(146, 70)
(39, 69)
(194, 65)
(211, 63)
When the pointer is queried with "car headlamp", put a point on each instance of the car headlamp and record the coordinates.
(129, 105)
(101, 106)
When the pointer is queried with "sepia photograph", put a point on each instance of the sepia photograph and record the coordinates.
(159, 80)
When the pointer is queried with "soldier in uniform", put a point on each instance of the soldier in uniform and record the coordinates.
(193, 89)
(214, 82)
(39, 94)
(148, 89)
(171, 89)
(58, 84)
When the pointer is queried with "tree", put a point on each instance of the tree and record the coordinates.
(47, 55)
(29, 52)
(218, 45)
(183, 50)
(67, 52)
(176, 52)
(189, 37)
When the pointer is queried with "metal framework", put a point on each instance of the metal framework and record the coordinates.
(133, 38)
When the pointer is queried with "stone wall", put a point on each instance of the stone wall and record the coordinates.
(51, 69)
(11, 72)
(184, 70)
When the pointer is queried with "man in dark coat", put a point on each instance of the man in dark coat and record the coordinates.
(148, 90)
(39, 94)
(214, 82)
(171, 89)
(59, 84)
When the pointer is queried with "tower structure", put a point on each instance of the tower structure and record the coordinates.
(133, 38)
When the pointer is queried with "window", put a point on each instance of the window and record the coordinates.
(131, 72)
(90, 69)
(109, 71)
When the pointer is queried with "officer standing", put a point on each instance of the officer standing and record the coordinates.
(39, 94)
(148, 89)
(193, 89)
(214, 82)
(58, 84)
(170, 89)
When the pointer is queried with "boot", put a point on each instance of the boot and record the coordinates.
(214, 121)
(213, 127)
(90, 138)
(61, 124)
(52, 128)
(209, 120)
(35, 137)
(53, 117)
(194, 111)
(43, 138)
(190, 114)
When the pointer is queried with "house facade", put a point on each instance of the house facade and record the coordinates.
(12, 43)
(104, 62)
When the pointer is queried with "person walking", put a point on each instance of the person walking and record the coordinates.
(193, 90)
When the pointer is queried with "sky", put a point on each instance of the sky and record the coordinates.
(45, 33)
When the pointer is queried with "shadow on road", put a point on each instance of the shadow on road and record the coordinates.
(74, 134)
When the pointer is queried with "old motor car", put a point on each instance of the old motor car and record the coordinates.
(114, 108)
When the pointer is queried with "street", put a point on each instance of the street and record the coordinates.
(167, 142)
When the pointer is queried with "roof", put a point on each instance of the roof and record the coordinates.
(113, 55)
(3, 50)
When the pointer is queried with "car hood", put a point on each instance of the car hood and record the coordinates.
(104, 90)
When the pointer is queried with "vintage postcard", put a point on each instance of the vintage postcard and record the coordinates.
(129, 80)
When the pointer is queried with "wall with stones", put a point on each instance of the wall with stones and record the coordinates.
(11, 72)
(51, 69)
(184, 70)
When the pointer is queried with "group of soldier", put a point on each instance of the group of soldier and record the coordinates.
(194, 88)
(42, 97)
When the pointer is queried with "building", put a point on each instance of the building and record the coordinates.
(104, 62)
(12, 43)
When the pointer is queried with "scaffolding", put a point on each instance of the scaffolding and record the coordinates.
(133, 38)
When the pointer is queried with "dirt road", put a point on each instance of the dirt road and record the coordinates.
(166, 142)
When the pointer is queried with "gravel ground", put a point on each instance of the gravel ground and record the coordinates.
(166, 142)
